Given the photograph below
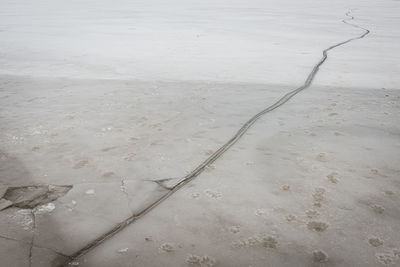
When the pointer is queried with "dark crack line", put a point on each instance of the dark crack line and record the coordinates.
(220, 151)
(10, 238)
(33, 236)
(55, 251)
(34, 246)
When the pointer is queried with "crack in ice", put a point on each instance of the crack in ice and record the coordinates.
(193, 174)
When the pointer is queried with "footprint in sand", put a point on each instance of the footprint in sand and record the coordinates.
(269, 242)
(247, 243)
(317, 226)
(321, 157)
(290, 218)
(396, 253)
(167, 247)
(285, 187)
(108, 174)
(256, 241)
(213, 194)
(81, 163)
(195, 195)
(377, 208)
(201, 261)
(374, 171)
(108, 148)
(384, 258)
(319, 256)
(333, 177)
(130, 157)
(375, 242)
(388, 193)
(234, 229)
(318, 196)
(312, 213)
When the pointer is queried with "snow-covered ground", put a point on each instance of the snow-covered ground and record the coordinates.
(99, 99)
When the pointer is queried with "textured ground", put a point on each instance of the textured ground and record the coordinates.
(99, 100)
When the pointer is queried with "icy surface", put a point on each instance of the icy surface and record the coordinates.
(121, 99)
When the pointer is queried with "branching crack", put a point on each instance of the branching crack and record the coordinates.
(163, 183)
(33, 246)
